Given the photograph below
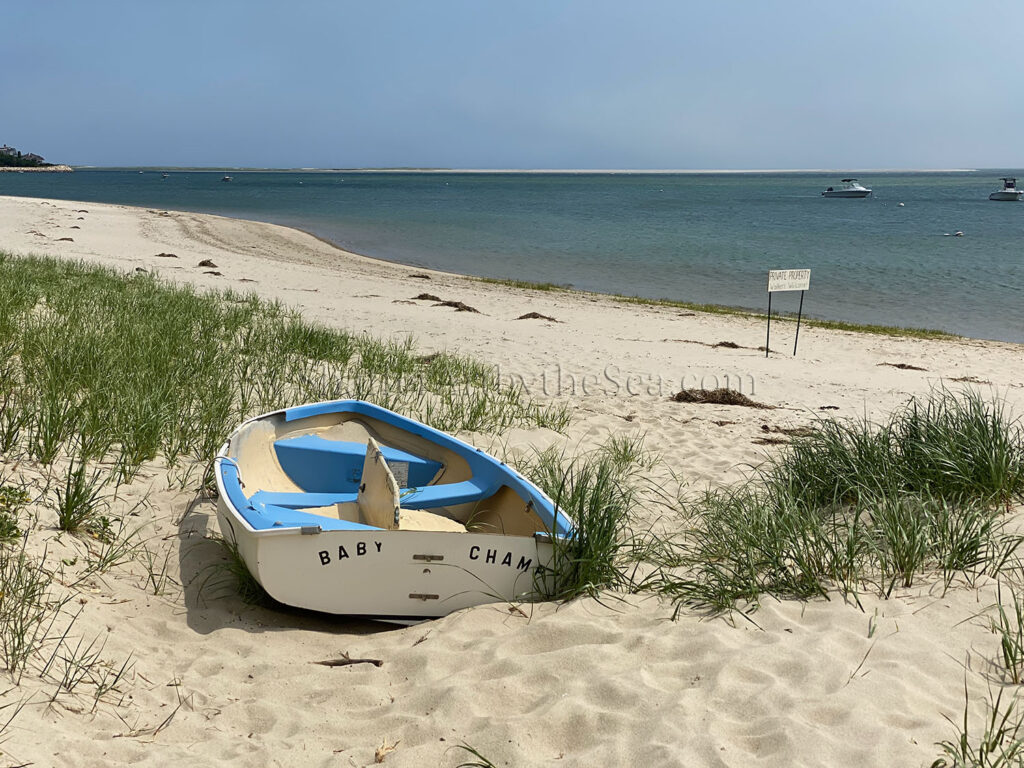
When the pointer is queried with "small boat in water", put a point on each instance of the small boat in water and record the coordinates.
(349, 508)
(1009, 190)
(849, 188)
(225, 178)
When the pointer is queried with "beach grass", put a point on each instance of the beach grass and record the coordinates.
(854, 506)
(475, 760)
(999, 743)
(600, 491)
(101, 364)
(953, 446)
(81, 501)
(1009, 626)
(29, 608)
(526, 284)
(13, 500)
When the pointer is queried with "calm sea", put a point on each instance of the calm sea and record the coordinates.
(693, 237)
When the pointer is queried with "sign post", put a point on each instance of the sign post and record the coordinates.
(786, 280)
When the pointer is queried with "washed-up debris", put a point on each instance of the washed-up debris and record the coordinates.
(346, 660)
(904, 366)
(720, 396)
(458, 306)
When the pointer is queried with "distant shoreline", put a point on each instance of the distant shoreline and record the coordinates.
(36, 169)
(552, 171)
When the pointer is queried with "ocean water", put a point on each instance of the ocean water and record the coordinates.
(692, 237)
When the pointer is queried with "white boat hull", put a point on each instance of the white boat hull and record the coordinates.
(847, 193)
(387, 574)
(1004, 195)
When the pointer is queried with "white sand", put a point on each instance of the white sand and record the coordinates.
(613, 684)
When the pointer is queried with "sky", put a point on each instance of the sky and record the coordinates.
(589, 84)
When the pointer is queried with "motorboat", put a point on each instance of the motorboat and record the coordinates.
(1009, 190)
(348, 508)
(848, 188)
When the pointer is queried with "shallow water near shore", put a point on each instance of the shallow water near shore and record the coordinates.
(689, 237)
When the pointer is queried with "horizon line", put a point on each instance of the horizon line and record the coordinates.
(410, 169)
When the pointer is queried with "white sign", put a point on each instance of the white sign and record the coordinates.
(788, 280)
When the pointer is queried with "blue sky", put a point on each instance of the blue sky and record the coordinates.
(517, 84)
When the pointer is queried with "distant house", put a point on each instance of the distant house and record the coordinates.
(12, 158)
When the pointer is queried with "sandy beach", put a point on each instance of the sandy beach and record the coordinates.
(613, 682)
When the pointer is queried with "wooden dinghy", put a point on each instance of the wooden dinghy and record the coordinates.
(349, 508)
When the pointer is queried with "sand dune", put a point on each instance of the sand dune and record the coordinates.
(614, 682)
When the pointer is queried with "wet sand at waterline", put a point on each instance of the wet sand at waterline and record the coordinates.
(596, 682)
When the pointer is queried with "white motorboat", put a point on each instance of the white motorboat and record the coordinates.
(848, 188)
(1009, 190)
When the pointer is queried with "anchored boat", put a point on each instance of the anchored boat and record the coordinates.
(1009, 190)
(349, 508)
(849, 188)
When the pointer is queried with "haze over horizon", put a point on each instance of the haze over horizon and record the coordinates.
(533, 85)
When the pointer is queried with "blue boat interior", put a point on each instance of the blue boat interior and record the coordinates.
(350, 465)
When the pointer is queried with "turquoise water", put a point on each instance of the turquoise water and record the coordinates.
(692, 237)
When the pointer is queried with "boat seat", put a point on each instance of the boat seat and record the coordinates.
(332, 460)
(295, 518)
(328, 519)
(427, 497)
(446, 495)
